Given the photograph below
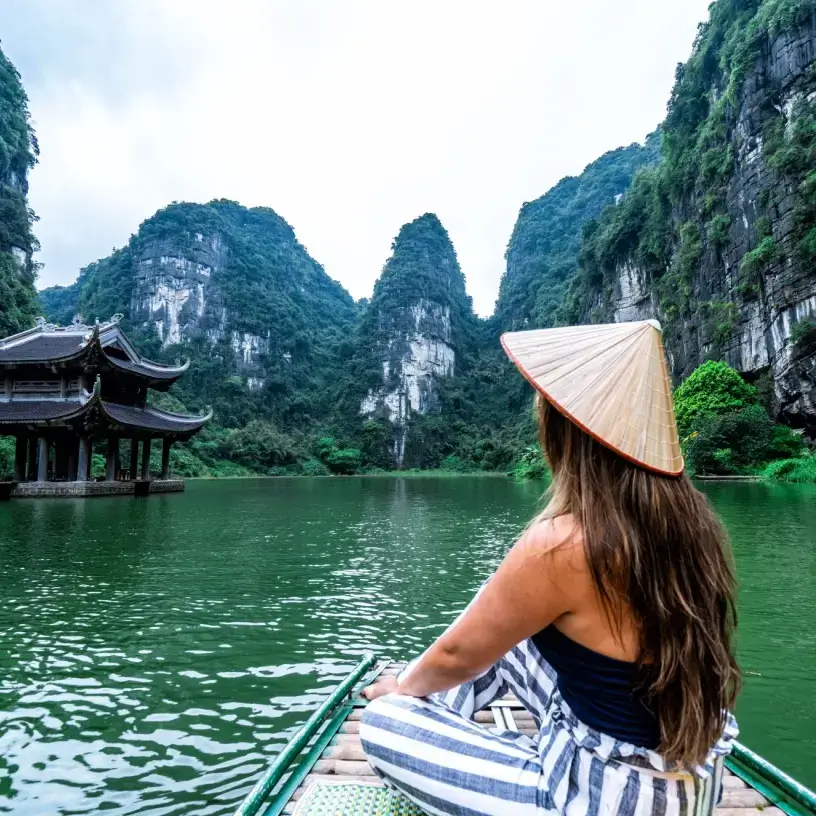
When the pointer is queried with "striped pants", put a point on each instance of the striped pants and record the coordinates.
(433, 752)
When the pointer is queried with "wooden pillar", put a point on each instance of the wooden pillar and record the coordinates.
(84, 459)
(20, 452)
(134, 458)
(71, 455)
(113, 455)
(60, 460)
(167, 443)
(31, 475)
(146, 460)
(42, 459)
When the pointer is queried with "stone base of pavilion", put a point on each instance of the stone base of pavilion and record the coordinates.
(82, 490)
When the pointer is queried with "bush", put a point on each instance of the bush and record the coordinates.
(224, 469)
(98, 466)
(183, 463)
(376, 437)
(454, 464)
(342, 461)
(786, 443)
(807, 246)
(803, 332)
(718, 230)
(730, 443)
(801, 470)
(713, 389)
(739, 442)
(531, 464)
(260, 446)
(314, 467)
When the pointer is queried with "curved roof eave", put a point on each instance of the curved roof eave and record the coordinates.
(148, 369)
(153, 420)
(23, 412)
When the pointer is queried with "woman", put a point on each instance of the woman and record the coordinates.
(610, 619)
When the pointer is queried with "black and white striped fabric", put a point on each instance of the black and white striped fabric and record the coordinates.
(435, 754)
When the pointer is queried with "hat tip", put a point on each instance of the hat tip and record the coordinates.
(656, 325)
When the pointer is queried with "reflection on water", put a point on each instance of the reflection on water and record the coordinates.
(156, 654)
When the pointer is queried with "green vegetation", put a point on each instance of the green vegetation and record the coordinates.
(18, 154)
(755, 262)
(723, 428)
(738, 442)
(718, 230)
(542, 256)
(801, 469)
(6, 457)
(714, 389)
(803, 333)
(531, 464)
(342, 461)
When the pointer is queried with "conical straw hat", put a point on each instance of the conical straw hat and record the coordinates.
(612, 381)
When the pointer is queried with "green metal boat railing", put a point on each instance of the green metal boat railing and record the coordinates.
(331, 714)
(776, 786)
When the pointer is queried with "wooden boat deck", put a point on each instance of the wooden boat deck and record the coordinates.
(344, 759)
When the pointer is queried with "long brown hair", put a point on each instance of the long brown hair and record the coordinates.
(657, 552)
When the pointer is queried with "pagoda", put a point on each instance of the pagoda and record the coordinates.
(68, 387)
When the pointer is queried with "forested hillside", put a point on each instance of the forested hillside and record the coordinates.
(417, 332)
(542, 256)
(18, 154)
(719, 240)
(232, 289)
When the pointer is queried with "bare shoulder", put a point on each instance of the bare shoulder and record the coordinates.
(559, 540)
(545, 573)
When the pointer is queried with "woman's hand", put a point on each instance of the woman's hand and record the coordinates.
(386, 685)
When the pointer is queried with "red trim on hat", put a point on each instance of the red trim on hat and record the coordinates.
(575, 421)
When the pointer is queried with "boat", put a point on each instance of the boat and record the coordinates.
(323, 769)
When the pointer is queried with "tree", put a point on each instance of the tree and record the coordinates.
(376, 436)
(713, 389)
(739, 441)
(260, 446)
(342, 461)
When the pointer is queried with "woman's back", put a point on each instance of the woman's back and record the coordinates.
(586, 622)
(610, 619)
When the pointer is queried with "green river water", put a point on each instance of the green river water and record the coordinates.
(155, 654)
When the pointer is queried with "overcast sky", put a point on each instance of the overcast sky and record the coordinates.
(347, 117)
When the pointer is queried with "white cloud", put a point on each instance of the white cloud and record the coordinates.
(348, 118)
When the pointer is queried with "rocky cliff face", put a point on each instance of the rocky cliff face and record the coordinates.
(176, 292)
(172, 287)
(719, 242)
(18, 154)
(417, 318)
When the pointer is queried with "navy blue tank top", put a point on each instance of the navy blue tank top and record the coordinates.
(601, 691)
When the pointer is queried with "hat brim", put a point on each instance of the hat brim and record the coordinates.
(564, 412)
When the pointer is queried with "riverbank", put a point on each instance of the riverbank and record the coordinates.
(801, 470)
(377, 474)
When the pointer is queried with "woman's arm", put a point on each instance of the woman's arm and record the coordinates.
(528, 592)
